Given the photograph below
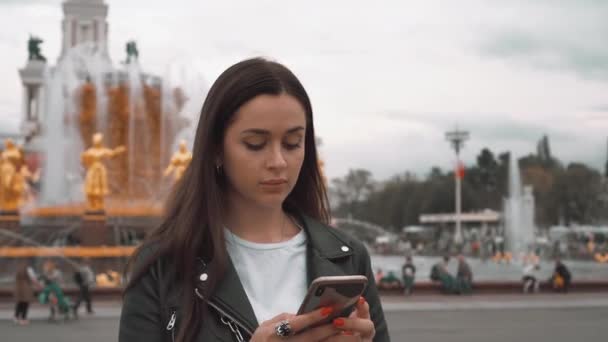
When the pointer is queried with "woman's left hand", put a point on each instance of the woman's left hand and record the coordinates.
(357, 327)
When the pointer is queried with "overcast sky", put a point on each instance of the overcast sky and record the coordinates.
(386, 78)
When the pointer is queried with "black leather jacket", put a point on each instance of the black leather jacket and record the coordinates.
(151, 308)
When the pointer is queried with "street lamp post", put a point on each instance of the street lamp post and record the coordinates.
(457, 139)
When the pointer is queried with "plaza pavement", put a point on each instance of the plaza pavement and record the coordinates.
(495, 318)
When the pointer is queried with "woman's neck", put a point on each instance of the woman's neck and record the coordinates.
(259, 224)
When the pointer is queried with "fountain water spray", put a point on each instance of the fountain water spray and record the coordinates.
(518, 212)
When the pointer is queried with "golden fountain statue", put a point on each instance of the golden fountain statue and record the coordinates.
(321, 165)
(179, 162)
(96, 181)
(12, 177)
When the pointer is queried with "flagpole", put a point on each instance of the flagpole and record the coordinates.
(457, 139)
(458, 232)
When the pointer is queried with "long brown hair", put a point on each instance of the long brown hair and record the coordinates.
(192, 225)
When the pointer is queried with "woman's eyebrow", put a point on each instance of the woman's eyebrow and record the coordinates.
(267, 132)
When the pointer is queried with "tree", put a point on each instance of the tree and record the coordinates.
(577, 193)
(543, 151)
(435, 174)
(353, 188)
(488, 169)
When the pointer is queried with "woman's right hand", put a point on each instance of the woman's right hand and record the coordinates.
(266, 331)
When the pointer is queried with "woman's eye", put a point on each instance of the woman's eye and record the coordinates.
(292, 146)
(254, 147)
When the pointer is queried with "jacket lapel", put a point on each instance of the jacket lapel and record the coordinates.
(324, 249)
(231, 297)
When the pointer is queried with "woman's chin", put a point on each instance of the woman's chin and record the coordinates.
(271, 200)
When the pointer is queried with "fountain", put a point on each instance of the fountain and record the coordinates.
(86, 95)
(83, 96)
(518, 213)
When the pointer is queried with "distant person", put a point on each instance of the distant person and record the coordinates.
(531, 279)
(440, 274)
(476, 247)
(378, 276)
(24, 294)
(420, 248)
(52, 293)
(464, 276)
(408, 274)
(84, 279)
(561, 278)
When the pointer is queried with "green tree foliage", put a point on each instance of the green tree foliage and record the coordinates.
(352, 189)
(577, 195)
(572, 194)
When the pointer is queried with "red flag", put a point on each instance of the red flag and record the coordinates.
(459, 170)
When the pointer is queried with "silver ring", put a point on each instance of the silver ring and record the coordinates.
(283, 329)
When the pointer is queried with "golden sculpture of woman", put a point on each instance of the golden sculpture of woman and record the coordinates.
(96, 181)
(12, 181)
(321, 165)
(179, 162)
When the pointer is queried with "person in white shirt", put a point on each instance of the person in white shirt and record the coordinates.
(531, 277)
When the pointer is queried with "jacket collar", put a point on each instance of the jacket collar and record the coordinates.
(324, 246)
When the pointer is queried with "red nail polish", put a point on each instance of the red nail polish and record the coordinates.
(339, 322)
(361, 300)
(326, 311)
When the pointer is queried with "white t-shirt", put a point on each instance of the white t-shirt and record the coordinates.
(273, 274)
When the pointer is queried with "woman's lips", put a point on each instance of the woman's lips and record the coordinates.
(274, 182)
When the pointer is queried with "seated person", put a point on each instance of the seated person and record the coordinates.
(464, 276)
(390, 281)
(561, 277)
(530, 279)
(439, 273)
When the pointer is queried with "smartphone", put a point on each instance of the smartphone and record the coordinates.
(339, 292)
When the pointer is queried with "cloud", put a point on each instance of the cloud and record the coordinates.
(388, 79)
(497, 126)
(600, 108)
(22, 3)
(566, 35)
(587, 61)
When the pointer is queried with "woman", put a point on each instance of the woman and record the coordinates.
(24, 294)
(246, 228)
(52, 292)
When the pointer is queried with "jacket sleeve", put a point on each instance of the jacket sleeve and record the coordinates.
(373, 299)
(141, 318)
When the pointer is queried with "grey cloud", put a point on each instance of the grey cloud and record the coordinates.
(600, 108)
(588, 61)
(497, 126)
(50, 3)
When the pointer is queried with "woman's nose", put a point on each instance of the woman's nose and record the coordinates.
(276, 158)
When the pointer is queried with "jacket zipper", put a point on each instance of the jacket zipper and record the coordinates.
(230, 319)
(171, 325)
(226, 318)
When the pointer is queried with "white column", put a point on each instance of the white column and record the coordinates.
(78, 35)
(35, 103)
(41, 105)
(458, 231)
(101, 33)
(66, 33)
(24, 110)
